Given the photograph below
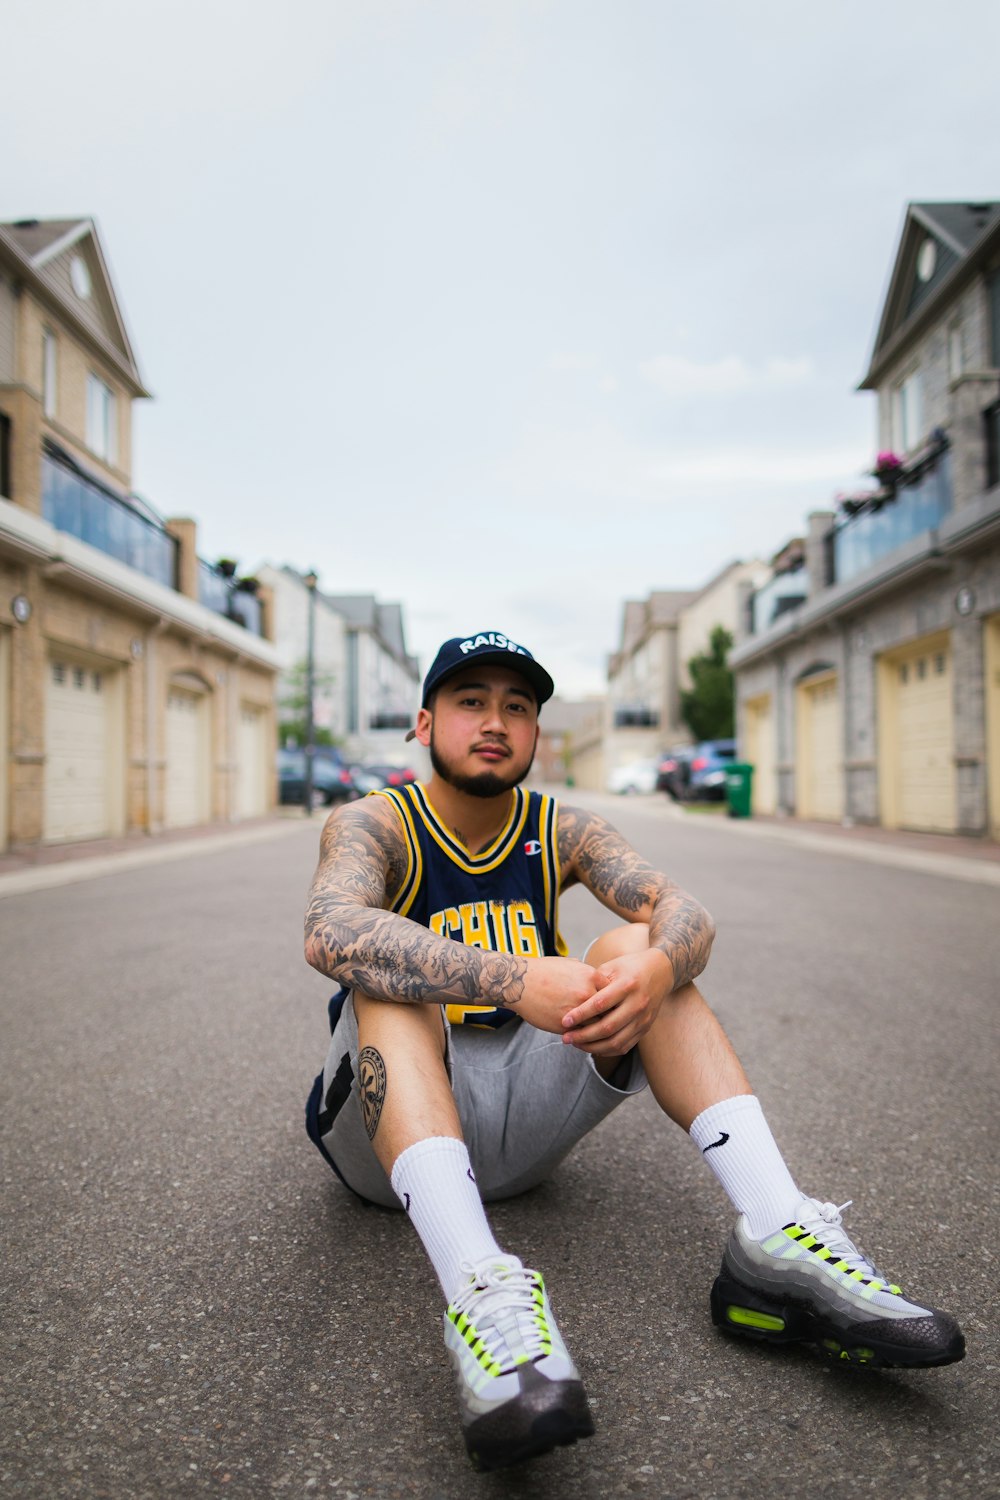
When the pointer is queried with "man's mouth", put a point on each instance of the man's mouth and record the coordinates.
(491, 752)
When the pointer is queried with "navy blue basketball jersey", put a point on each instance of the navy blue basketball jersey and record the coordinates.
(505, 899)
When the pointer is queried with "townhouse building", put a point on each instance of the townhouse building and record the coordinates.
(136, 680)
(868, 669)
(649, 670)
(367, 684)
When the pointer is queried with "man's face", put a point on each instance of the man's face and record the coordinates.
(481, 730)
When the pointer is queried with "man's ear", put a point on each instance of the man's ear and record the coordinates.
(424, 721)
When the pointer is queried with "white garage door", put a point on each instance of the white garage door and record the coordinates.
(925, 766)
(761, 753)
(76, 753)
(251, 771)
(820, 760)
(187, 798)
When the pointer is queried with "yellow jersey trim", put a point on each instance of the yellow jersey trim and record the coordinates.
(472, 864)
(407, 893)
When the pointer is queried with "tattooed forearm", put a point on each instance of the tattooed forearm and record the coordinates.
(682, 927)
(591, 851)
(351, 938)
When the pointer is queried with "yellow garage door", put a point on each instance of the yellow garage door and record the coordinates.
(916, 763)
(252, 758)
(76, 753)
(4, 733)
(761, 752)
(991, 645)
(187, 799)
(819, 752)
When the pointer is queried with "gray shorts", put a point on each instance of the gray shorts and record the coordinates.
(524, 1099)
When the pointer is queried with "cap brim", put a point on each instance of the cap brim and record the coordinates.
(411, 735)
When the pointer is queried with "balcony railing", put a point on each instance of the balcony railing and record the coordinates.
(991, 416)
(782, 593)
(635, 716)
(75, 503)
(921, 500)
(225, 597)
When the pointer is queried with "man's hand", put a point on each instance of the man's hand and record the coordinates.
(552, 986)
(624, 1008)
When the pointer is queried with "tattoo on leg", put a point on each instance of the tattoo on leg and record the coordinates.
(371, 1082)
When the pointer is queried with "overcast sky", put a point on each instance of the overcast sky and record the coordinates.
(507, 309)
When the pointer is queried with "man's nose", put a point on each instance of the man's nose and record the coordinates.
(493, 721)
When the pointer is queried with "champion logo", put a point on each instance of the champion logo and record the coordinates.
(532, 847)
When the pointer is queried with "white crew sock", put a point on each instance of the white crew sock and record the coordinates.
(433, 1180)
(735, 1141)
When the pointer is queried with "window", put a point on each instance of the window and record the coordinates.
(49, 373)
(908, 413)
(102, 425)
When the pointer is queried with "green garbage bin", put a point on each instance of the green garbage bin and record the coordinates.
(739, 788)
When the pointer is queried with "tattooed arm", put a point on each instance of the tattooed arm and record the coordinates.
(681, 931)
(350, 937)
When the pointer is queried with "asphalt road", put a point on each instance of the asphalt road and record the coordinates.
(192, 1304)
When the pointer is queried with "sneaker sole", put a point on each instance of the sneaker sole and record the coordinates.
(514, 1435)
(743, 1312)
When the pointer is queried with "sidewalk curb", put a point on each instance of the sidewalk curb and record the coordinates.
(928, 862)
(71, 871)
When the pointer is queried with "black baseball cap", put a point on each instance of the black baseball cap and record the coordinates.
(488, 648)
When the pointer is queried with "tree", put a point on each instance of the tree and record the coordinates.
(292, 704)
(707, 707)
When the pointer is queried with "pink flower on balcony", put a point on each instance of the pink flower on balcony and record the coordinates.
(887, 464)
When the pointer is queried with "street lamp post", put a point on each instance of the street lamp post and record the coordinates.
(311, 581)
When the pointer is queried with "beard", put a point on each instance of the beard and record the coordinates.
(483, 783)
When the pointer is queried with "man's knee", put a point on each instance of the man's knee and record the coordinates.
(629, 937)
(379, 1021)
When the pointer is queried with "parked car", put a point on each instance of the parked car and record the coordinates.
(392, 775)
(332, 780)
(637, 777)
(709, 763)
(674, 771)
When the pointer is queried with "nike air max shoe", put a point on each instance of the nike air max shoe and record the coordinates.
(519, 1391)
(809, 1283)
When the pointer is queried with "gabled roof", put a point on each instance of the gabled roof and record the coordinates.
(41, 252)
(942, 245)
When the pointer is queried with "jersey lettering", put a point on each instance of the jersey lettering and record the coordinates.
(497, 926)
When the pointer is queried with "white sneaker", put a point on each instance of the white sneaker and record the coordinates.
(519, 1391)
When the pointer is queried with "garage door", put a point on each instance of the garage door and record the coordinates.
(819, 758)
(76, 752)
(187, 799)
(4, 732)
(761, 752)
(992, 686)
(252, 763)
(916, 748)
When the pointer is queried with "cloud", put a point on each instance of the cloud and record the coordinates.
(755, 466)
(573, 362)
(732, 375)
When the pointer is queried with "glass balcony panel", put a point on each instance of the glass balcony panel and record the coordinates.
(78, 506)
(782, 593)
(919, 505)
